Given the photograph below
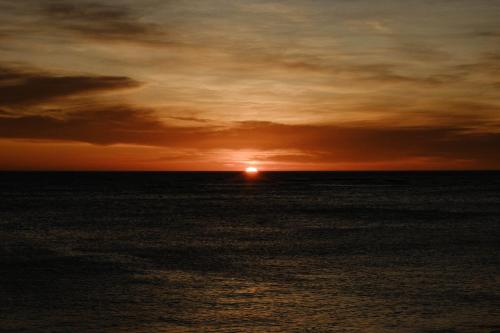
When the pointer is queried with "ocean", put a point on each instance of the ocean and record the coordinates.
(226, 252)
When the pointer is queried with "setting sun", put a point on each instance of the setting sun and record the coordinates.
(251, 170)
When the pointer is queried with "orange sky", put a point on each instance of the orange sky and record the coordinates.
(220, 84)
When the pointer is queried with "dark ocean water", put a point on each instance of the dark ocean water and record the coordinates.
(221, 252)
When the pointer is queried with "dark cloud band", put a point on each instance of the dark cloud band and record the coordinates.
(25, 88)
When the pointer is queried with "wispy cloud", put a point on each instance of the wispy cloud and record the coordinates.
(374, 26)
(108, 21)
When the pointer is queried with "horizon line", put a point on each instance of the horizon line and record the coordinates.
(241, 171)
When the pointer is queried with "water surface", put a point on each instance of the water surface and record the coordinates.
(221, 252)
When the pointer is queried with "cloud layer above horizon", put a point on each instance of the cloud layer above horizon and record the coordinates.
(218, 84)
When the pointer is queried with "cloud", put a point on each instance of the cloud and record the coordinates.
(309, 66)
(18, 87)
(330, 144)
(120, 124)
(279, 10)
(5, 113)
(424, 52)
(107, 22)
(98, 20)
(487, 34)
(488, 65)
(191, 119)
(375, 26)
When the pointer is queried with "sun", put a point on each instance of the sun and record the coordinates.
(251, 170)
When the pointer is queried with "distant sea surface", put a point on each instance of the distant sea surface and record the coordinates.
(224, 252)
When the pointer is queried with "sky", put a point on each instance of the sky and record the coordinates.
(224, 84)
